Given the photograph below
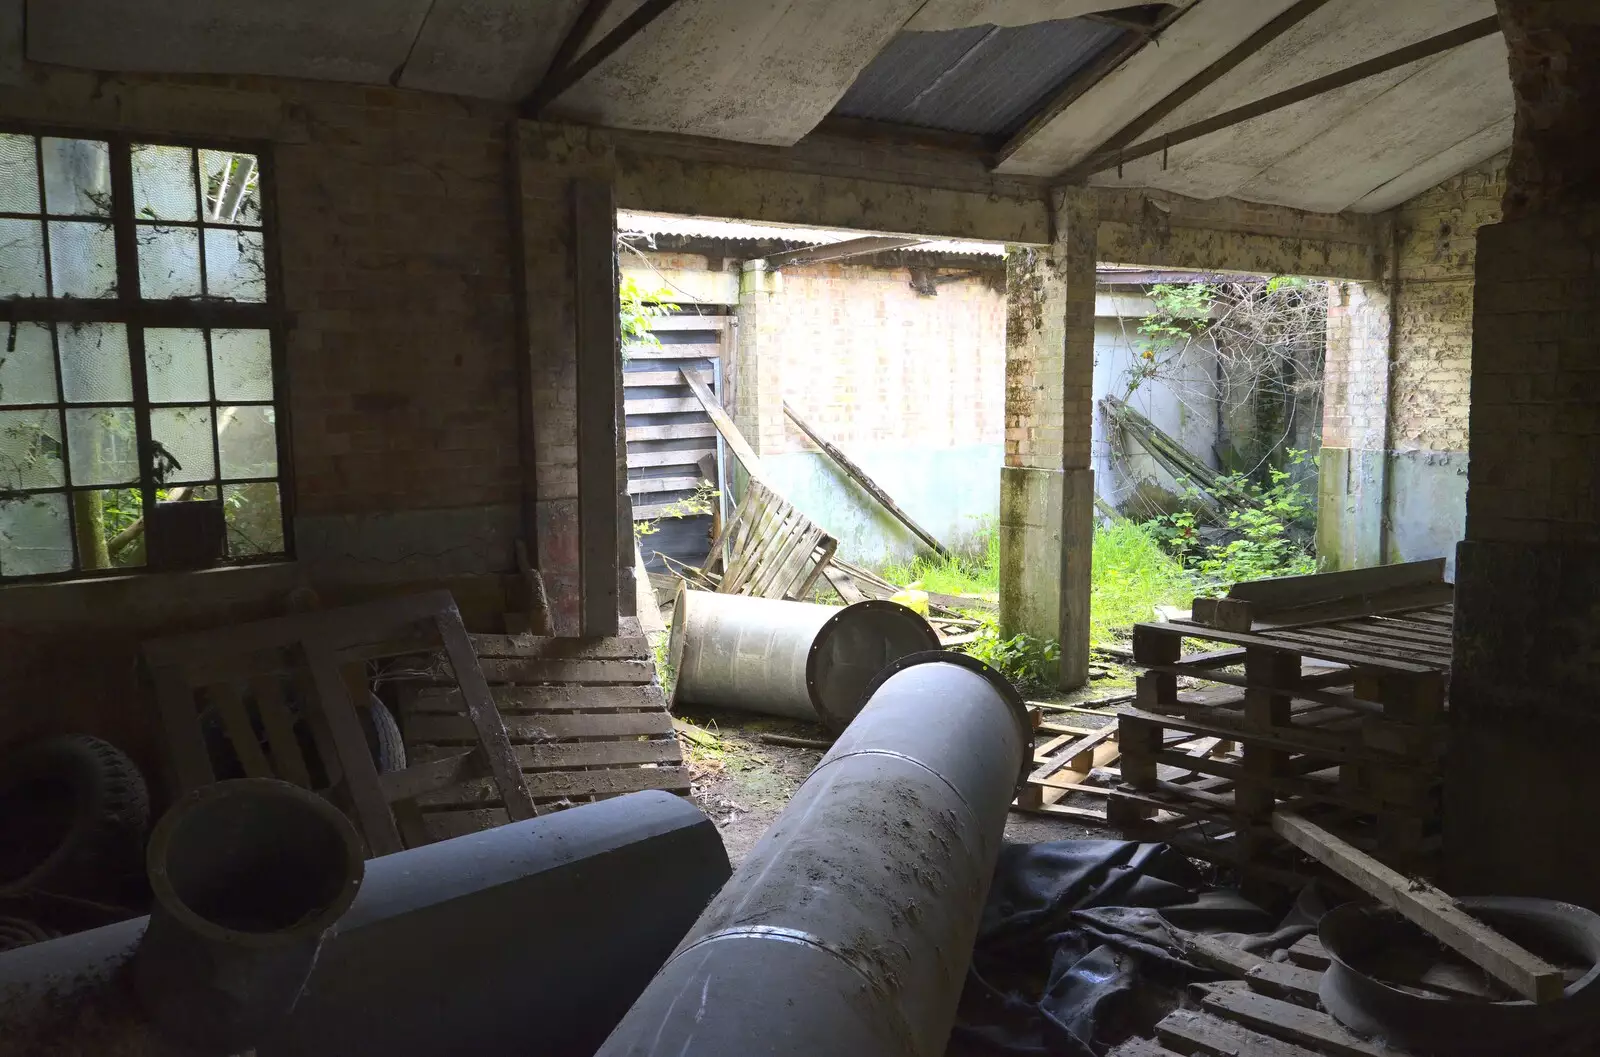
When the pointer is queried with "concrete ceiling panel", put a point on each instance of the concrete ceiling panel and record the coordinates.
(1200, 37)
(959, 14)
(332, 40)
(1460, 157)
(733, 69)
(489, 49)
(1447, 102)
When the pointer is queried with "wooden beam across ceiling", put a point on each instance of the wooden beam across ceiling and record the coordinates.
(564, 76)
(1111, 157)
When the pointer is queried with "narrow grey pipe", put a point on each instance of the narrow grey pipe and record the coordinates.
(248, 876)
(848, 929)
(792, 659)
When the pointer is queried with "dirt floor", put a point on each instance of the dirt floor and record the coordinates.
(743, 782)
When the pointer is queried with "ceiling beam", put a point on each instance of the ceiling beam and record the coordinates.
(1112, 158)
(1084, 80)
(838, 251)
(559, 79)
(577, 33)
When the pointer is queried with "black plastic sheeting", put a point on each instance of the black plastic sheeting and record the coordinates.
(1077, 941)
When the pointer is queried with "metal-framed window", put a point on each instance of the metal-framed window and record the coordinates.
(142, 415)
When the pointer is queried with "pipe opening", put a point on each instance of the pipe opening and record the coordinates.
(853, 647)
(256, 860)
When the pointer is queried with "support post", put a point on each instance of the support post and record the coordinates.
(599, 381)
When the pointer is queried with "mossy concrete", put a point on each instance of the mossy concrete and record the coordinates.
(1030, 551)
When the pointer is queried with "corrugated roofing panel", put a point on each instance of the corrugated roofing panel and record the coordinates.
(629, 222)
(984, 80)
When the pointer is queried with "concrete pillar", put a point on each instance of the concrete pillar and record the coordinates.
(757, 382)
(1046, 486)
(1355, 410)
(1525, 691)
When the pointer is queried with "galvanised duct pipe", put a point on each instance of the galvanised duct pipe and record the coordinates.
(791, 659)
(848, 929)
(545, 929)
(248, 877)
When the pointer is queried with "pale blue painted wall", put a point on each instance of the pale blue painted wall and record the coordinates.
(951, 492)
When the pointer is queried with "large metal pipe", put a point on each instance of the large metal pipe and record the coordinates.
(248, 876)
(848, 929)
(541, 930)
(790, 659)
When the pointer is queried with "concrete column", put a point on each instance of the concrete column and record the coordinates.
(1355, 408)
(758, 371)
(1046, 486)
(1525, 691)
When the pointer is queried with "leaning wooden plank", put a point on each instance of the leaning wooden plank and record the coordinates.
(1519, 969)
(241, 735)
(350, 744)
(1193, 1032)
(288, 761)
(484, 716)
(180, 729)
(1286, 592)
(513, 699)
(433, 729)
(844, 584)
(1289, 1022)
(725, 425)
(860, 477)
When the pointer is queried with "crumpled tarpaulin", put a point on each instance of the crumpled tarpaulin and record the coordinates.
(1077, 932)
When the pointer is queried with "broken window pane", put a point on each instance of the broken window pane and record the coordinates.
(184, 436)
(35, 535)
(169, 262)
(102, 445)
(83, 259)
(109, 528)
(243, 363)
(19, 174)
(77, 177)
(27, 364)
(175, 365)
(248, 439)
(255, 519)
(163, 183)
(231, 185)
(235, 265)
(30, 449)
(94, 362)
(21, 258)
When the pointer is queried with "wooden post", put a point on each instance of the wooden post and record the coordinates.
(594, 218)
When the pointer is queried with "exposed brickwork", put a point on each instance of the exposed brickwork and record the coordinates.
(1035, 344)
(1355, 386)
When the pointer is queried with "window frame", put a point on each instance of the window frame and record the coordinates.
(138, 314)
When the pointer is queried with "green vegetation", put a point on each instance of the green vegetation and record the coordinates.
(1131, 574)
(974, 573)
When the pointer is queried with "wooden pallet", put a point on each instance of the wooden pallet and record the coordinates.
(586, 720)
(1344, 718)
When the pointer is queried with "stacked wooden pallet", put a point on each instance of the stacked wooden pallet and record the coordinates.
(1343, 719)
(586, 720)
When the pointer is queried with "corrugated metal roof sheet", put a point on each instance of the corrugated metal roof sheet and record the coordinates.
(735, 230)
(984, 80)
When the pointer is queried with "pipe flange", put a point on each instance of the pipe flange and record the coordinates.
(837, 723)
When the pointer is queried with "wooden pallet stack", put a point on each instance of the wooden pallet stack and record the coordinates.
(586, 720)
(1340, 717)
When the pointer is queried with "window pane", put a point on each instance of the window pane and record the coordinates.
(35, 535)
(248, 439)
(175, 365)
(184, 434)
(83, 259)
(254, 517)
(94, 362)
(233, 195)
(21, 258)
(243, 363)
(102, 445)
(19, 174)
(104, 518)
(77, 177)
(30, 449)
(27, 364)
(163, 183)
(235, 265)
(169, 262)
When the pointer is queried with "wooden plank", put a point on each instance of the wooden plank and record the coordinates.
(1324, 697)
(1287, 592)
(574, 754)
(241, 734)
(1192, 1032)
(681, 431)
(1277, 979)
(1376, 652)
(1307, 953)
(483, 715)
(514, 699)
(638, 460)
(1292, 1023)
(553, 647)
(180, 729)
(1521, 970)
(549, 785)
(636, 379)
(661, 405)
(689, 321)
(428, 728)
(288, 762)
(1271, 641)
(350, 746)
(556, 670)
(432, 775)
(652, 485)
(843, 584)
(725, 425)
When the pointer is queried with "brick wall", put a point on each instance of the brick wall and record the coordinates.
(1355, 386)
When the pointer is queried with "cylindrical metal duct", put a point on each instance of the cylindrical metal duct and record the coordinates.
(539, 931)
(790, 659)
(848, 929)
(247, 875)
